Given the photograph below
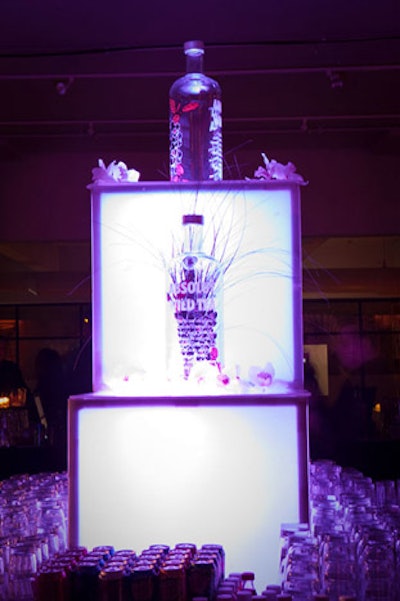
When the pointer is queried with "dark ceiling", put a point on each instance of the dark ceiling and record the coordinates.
(79, 74)
(84, 75)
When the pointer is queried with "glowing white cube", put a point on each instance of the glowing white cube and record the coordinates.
(226, 470)
(253, 226)
(150, 463)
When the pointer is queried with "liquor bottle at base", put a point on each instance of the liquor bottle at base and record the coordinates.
(195, 295)
(195, 122)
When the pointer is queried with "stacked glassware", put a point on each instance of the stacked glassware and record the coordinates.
(351, 547)
(33, 527)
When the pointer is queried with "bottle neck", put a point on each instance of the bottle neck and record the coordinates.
(194, 62)
(193, 239)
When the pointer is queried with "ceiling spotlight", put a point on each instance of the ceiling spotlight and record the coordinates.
(62, 87)
(335, 79)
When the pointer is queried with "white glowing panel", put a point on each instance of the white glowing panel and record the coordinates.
(253, 228)
(230, 474)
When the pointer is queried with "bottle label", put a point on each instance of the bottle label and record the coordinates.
(192, 296)
(195, 140)
(193, 301)
(215, 149)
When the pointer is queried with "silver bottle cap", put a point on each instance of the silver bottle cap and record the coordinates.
(193, 47)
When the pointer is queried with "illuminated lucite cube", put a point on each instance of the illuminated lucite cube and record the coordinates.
(251, 227)
(223, 469)
(155, 461)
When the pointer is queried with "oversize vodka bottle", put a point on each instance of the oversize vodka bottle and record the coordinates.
(195, 294)
(195, 122)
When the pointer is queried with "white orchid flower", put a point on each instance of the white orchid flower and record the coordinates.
(273, 170)
(114, 173)
(262, 376)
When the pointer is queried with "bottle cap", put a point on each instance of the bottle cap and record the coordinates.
(192, 219)
(248, 576)
(274, 587)
(193, 47)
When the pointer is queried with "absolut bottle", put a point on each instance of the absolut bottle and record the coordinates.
(195, 293)
(195, 122)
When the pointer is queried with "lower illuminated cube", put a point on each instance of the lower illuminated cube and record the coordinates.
(226, 470)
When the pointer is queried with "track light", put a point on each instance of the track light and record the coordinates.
(335, 79)
(62, 87)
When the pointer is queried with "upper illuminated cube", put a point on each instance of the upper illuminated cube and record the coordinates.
(252, 229)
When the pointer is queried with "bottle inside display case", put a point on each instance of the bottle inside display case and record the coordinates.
(195, 288)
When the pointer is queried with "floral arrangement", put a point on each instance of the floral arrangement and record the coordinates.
(207, 372)
(114, 173)
(119, 172)
(273, 170)
(205, 377)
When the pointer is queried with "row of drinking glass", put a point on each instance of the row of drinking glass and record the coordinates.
(351, 545)
(33, 527)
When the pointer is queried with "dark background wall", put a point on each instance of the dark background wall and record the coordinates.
(351, 191)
